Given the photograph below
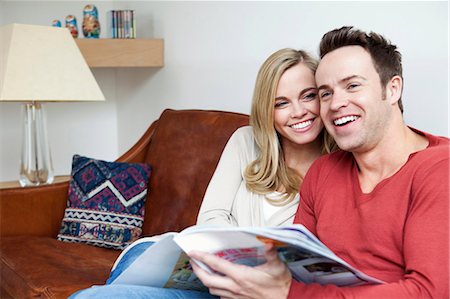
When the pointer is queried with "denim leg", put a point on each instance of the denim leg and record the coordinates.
(120, 291)
(128, 259)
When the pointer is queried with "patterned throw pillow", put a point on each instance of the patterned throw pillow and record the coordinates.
(106, 203)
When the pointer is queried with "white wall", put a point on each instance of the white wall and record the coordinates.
(212, 53)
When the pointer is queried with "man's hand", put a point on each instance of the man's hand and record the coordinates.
(271, 280)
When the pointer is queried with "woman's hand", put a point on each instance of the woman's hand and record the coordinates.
(271, 280)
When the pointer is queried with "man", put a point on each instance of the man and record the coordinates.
(381, 204)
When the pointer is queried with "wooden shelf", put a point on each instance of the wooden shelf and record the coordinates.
(15, 184)
(106, 52)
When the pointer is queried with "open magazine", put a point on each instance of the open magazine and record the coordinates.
(165, 263)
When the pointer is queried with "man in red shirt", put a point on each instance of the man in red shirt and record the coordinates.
(381, 204)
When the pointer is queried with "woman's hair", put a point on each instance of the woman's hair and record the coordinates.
(269, 171)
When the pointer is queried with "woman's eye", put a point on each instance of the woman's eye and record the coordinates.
(310, 96)
(280, 104)
(324, 95)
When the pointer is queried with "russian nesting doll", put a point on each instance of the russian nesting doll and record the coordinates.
(56, 23)
(91, 25)
(71, 24)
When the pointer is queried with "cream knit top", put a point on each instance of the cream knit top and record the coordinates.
(227, 202)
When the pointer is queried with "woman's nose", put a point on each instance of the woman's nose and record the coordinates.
(298, 109)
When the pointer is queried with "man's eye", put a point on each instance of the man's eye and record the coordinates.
(352, 85)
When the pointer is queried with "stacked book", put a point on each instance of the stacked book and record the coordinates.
(122, 24)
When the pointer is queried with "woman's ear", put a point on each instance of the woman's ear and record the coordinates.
(394, 89)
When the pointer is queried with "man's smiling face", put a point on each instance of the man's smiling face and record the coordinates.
(352, 100)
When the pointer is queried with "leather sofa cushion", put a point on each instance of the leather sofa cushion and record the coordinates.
(184, 152)
(45, 267)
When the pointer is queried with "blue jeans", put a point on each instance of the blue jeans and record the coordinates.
(123, 291)
(133, 291)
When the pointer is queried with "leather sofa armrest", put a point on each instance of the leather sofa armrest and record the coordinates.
(34, 211)
(38, 211)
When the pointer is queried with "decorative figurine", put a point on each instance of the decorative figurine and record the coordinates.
(56, 23)
(71, 24)
(91, 25)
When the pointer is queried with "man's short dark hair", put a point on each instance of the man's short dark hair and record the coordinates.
(386, 58)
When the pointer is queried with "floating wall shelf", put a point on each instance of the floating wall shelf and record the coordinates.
(106, 52)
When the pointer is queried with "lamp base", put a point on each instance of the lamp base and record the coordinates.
(36, 164)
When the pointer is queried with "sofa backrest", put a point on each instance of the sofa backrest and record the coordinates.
(184, 151)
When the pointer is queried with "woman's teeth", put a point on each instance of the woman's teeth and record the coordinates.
(302, 125)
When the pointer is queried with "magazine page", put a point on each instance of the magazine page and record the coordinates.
(302, 231)
(310, 267)
(298, 237)
(183, 277)
(152, 239)
(154, 266)
(228, 243)
(308, 259)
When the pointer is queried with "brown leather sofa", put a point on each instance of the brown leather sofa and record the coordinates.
(183, 148)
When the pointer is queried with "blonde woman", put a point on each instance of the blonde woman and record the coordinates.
(257, 179)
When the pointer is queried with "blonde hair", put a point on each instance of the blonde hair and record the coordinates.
(269, 171)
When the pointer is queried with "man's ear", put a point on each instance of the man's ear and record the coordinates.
(394, 89)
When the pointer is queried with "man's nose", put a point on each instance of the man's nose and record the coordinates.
(339, 99)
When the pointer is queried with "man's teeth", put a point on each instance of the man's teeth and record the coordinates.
(343, 120)
(302, 124)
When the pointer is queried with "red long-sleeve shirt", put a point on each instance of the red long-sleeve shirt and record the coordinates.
(398, 233)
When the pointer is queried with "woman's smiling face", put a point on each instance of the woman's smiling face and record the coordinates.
(297, 107)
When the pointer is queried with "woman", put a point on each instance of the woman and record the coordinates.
(257, 179)
(258, 176)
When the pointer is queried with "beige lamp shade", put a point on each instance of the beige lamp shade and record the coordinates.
(43, 63)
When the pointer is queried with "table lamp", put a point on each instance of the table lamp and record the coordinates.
(41, 64)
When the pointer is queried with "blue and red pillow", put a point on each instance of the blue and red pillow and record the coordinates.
(106, 202)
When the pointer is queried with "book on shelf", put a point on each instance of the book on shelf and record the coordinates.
(166, 264)
(121, 23)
